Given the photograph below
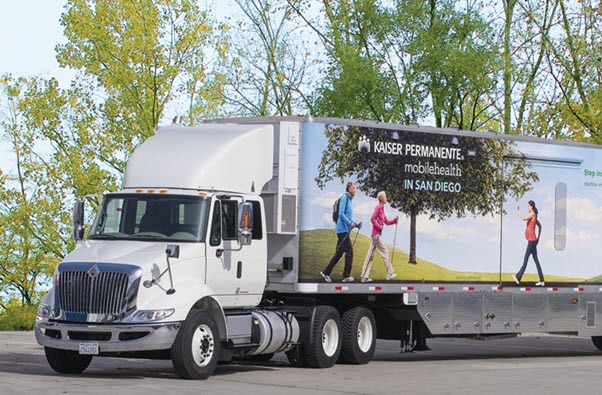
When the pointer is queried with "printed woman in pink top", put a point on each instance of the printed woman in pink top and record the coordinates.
(532, 240)
(379, 220)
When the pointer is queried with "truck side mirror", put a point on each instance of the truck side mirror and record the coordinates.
(78, 220)
(245, 223)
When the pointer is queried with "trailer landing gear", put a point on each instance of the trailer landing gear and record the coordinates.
(414, 338)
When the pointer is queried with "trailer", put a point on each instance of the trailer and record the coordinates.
(215, 245)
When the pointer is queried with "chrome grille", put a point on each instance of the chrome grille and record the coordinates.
(106, 293)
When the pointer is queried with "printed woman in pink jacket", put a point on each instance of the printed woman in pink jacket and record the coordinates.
(379, 220)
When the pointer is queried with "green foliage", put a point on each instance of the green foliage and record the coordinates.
(33, 219)
(133, 60)
(270, 61)
(16, 316)
(392, 62)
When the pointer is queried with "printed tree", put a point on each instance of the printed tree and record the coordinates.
(492, 170)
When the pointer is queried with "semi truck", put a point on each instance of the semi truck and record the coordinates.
(213, 248)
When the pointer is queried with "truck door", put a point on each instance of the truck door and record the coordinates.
(235, 274)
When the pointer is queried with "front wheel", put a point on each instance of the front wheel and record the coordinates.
(67, 361)
(325, 348)
(196, 349)
(359, 336)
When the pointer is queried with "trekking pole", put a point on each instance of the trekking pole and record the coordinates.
(394, 238)
(355, 238)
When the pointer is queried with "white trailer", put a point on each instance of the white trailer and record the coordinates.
(212, 249)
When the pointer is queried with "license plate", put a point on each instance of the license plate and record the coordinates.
(88, 348)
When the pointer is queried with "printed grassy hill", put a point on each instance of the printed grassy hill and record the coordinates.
(318, 246)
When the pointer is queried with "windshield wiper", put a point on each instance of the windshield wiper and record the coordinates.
(102, 236)
(147, 236)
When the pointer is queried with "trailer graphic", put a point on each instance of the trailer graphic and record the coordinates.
(461, 199)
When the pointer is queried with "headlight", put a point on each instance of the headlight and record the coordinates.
(152, 315)
(45, 312)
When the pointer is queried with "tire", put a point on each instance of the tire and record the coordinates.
(359, 336)
(325, 349)
(67, 361)
(196, 349)
(597, 340)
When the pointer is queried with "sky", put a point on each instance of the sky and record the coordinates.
(30, 29)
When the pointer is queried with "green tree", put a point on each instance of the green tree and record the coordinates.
(490, 171)
(552, 70)
(575, 66)
(269, 71)
(455, 55)
(33, 237)
(133, 60)
(136, 58)
(406, 60)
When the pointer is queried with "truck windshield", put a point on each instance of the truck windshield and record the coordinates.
(151, 217)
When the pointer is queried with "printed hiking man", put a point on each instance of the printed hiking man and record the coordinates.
(345, 224)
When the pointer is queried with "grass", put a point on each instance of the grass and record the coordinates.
(318, 246)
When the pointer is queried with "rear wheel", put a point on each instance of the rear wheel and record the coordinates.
(196, 349)
(597, 340)
(359, 336)
(67, 361)
(325, 348)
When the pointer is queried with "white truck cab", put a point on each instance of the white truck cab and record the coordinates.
(179, 238)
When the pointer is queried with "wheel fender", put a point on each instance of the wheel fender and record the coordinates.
(305, 316)
(186, 296)
(212, 306)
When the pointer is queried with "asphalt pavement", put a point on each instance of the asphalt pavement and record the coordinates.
(525, 365)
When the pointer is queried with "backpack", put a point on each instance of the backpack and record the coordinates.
(335, 209)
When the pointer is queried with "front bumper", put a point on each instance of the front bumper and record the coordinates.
(110, 338)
